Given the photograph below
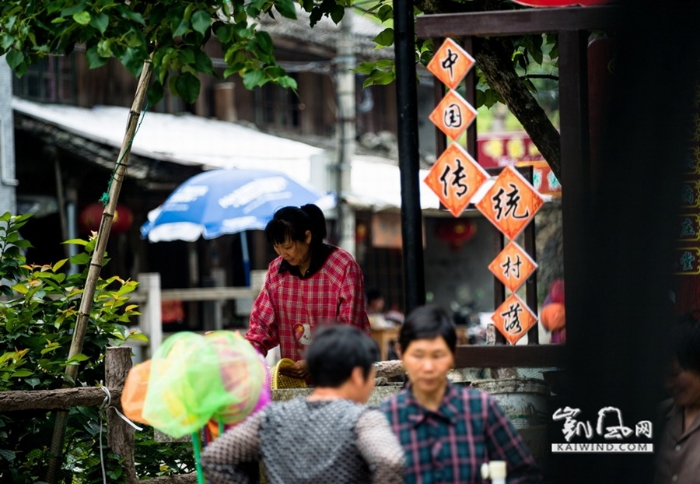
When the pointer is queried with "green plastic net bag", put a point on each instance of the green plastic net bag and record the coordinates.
(196, 378)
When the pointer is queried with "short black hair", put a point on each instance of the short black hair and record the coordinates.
(373, 294)
(428, 322)
(336, 350)
(685, 338)
(293, 222)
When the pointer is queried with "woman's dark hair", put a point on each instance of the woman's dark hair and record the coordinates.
(335, 351)
(685, 340)
(293, 222)
(428, 322)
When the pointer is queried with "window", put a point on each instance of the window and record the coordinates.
(277, 107)
(50, 80)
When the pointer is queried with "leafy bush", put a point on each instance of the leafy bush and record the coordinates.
(38, 312)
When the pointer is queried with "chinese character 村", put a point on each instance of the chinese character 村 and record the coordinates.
(514, 267)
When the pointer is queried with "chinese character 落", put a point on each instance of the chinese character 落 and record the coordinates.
(511, 318)
(613, 431)
(453, 116)
(449, 61)
(511, 205)
(571, 425)
(457, 176)
(514, 267)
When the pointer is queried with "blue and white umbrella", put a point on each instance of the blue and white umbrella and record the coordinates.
(227, 201)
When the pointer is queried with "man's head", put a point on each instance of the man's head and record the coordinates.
(343, 356)
(375, 301)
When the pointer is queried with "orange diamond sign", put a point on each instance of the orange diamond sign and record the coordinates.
(453, 115)
(513, 266)
(513, 318)
(455, 177)
(511, 203)
(450, 63)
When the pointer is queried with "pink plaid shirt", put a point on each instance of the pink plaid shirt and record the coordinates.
(289, 307)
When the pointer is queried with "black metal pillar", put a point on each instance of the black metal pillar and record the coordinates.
(407, 111)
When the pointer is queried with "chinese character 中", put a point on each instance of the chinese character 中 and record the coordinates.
(511, 206)
(571, 425)
(612, 432)
(514, 267)
(457, 176)
(687, 261)
(511, 318)
(449, 61)
(687, 228)
(453, 116)
(643, 428)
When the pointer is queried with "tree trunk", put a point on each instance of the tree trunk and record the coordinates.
(120, 435)
(62, 398)
(493, 58)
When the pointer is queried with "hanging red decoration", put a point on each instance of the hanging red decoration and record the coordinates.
(91, 216)
(455, 231)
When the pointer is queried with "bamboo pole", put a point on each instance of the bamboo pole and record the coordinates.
(96, 265)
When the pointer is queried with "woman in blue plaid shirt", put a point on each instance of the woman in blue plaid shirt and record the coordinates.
(448, 432)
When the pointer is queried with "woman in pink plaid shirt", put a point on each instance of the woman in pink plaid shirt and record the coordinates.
(310, 283)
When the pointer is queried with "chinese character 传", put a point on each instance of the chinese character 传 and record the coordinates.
(453, 116)
(514, 267)
(613, 431)
(571, 425)
(511, 203)
(511, 319)
(457, 177)
(449, 61)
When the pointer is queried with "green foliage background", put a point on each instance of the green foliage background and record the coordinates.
(38, 311)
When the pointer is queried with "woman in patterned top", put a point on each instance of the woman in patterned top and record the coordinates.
(329, 437)
(448, 432)
(308, 284)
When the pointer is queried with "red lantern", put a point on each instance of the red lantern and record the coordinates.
(91, 216)
(455, 232)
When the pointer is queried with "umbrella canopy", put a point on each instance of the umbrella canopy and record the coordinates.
(227, 201)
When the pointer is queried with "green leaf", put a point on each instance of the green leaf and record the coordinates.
(83, 18)
(201, 21)
(137, 337)
(337, 13)
(7, 455)
(94, 59)
(181, 28)
(385, 37)
(252, 79)
(59, 264)
(80, 259)
(132, 61)
(155, 93)
(131, 15)
(20, 288)
(286, 8)
(67, 12)
(385, 12)
(223, 32)
(32, 381)
(100, 22)
(202, 62)
(379, 78)
(7, 41)
(21, 373)
(288, 82)
(264, 41)
(14, 58)
(188, 87)
(76, 242)
(77, 358)
(186, 55)
(365, 68)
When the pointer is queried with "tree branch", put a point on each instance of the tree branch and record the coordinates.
(540, 76)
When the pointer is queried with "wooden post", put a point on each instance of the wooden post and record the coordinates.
(120, 435)
(151, 316)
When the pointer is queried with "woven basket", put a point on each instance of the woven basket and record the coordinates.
(282, 381)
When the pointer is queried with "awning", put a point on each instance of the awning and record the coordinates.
(195, 140)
